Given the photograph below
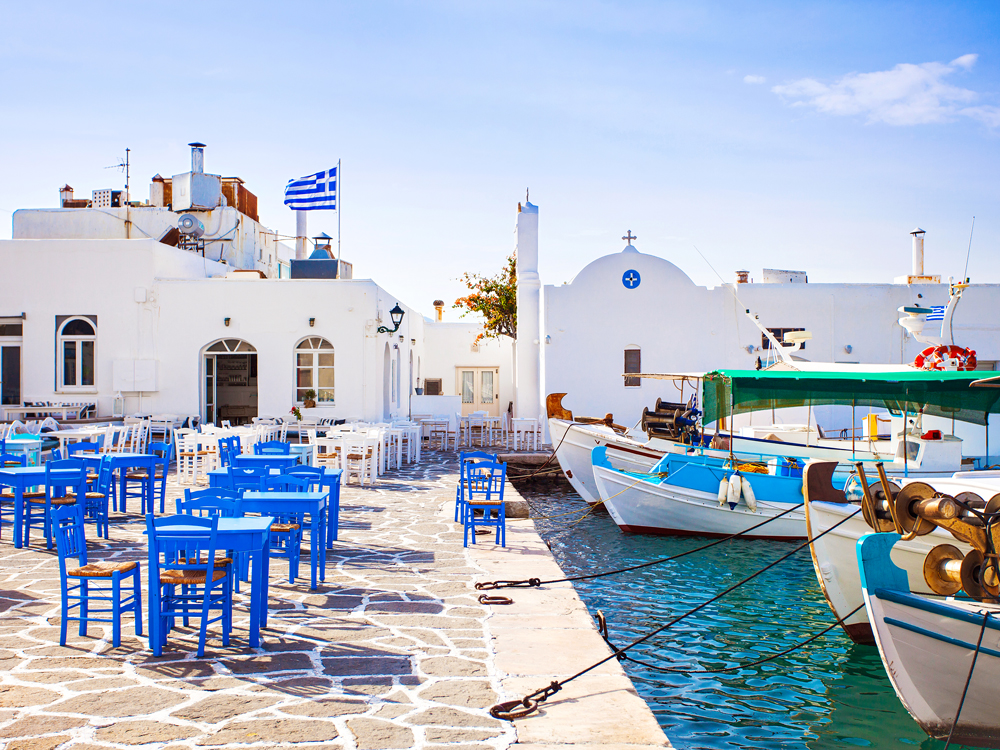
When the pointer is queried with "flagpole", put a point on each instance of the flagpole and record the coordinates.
(338, 219)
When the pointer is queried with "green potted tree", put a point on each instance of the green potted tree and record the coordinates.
(309, 399)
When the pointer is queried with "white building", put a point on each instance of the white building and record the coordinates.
(634, 312)
(179, 304)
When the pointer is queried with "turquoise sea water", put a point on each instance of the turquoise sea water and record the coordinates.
(830, 694)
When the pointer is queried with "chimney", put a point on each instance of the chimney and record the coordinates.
(197, 157)
(918, 252)
(156, 191)
(65, 194)
(439, 306)
(742, 277)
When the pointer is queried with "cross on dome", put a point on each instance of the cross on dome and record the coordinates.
(629, 237)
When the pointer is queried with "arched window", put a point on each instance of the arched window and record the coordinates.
(77, 346)
(314, 369)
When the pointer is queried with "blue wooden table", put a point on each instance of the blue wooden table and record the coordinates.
(20, 478)
(330, 481)
(253, 536)
(289, 503)
(122, 463)
(270, 460)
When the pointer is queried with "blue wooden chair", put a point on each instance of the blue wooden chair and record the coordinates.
(80, 584)
(164, 453)
(484, 488)
(182, 555)
(217, 501)
(210, 501)
(7, 495)
(227, 447)
(276, 447)
(313, 473)
(286, 531)
(73, 449)
(249, 478)
(38, 510)
(95, 505)
(466, 458)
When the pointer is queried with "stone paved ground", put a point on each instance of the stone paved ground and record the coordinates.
(393, 651)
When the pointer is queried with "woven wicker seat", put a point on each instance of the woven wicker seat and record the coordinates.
(101, 569)
(65, 500)
(190, 577)
(91, 476)
(26, 495)
(136, 475)
(284, 527)
(95, 496)
(220, 562)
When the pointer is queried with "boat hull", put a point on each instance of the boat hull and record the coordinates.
(835, 559)
(574, 443)
(643, 507)
(927, 649)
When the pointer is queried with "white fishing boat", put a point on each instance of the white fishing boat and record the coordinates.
(682, 497)
(941, 656)
(834, 527)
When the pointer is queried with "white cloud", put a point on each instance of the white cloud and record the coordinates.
(906, 95)
(754, 79)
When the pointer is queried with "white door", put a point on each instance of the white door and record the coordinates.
(478, 389)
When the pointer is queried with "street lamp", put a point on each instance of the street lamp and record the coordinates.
(396, 314)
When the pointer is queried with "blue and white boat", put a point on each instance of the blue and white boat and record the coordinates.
(928, 648)
(692, 495)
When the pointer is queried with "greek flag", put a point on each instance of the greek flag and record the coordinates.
(936, 313)
(314, 192)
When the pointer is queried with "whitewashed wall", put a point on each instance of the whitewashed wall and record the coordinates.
(682, 327)
(449, 348)
(185, 312)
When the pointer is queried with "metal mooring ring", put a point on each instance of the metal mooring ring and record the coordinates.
(514, 709)
(487, 599)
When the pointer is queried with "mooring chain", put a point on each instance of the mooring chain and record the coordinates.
(511, 710)
(491, 585)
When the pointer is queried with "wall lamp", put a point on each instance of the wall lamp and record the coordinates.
(227, 322)
(312, 322)
(396, 314)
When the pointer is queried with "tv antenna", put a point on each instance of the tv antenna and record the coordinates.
(123, 166)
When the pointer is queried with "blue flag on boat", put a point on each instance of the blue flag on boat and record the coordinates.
(936, 313)
(313, 192)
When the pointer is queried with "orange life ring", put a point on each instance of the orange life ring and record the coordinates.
(936, 357)
(921, 359)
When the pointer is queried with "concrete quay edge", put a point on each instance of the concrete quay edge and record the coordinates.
(546, 634)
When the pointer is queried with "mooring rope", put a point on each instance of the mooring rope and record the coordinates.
(533, 582)
(766, 659)
(511, 710)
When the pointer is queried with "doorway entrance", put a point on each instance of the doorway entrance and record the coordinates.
(230, 382)
(477, 386)
(10, 362)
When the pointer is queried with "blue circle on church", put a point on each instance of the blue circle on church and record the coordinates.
(631, 279)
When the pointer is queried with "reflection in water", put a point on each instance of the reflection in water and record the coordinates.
(830, 694)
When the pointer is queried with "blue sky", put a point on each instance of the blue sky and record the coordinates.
(809, 136)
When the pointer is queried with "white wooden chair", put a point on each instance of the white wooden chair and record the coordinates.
(360, 457)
